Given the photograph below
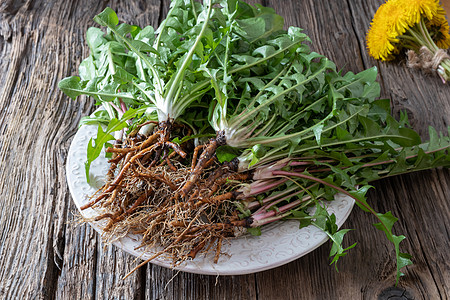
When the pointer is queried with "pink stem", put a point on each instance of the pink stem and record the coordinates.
(120, 111)
(265, 218)
(255, 204)
(265, 207)
(267, 187)
(123, 105)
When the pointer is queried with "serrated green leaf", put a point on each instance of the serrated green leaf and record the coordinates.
(107, 18)
(103, 136)
(95, 146)
(71, 86)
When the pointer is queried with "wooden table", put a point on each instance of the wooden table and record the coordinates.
(45, 254)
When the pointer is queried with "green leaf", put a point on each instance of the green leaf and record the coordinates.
(99, 117)
(71, 86)
(318, 133)
(326, 222)
(107, 18)
(360, 195)
(94, 39)
(87, 69)
(409, 138)
(74, 87)
(226, 153)
(96, 144)
(387, 221)
(94, 148)
(254, 231)
(303, 217)
(321, 216)
(143, 47)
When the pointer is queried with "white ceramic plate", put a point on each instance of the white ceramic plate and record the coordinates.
(278, 244)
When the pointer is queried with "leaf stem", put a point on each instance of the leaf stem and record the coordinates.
(176, 83)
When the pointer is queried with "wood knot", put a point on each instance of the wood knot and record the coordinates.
(395, 293)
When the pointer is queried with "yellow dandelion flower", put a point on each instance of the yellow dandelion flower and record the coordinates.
(381, 37)
(396, 17)
(439, 29)
(419, 25)
(415, 9)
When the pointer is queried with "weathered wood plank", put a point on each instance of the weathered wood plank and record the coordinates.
(329, 25)
(34, 123)
(164, 284)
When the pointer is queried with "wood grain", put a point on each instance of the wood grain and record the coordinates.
(45, 254)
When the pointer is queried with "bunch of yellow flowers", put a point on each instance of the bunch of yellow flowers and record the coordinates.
(418, 25)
